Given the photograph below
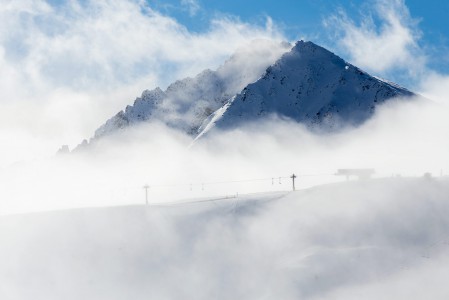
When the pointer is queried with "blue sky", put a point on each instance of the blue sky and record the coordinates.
(301, 17)
(304, 18)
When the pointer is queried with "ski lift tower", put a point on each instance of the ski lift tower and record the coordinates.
(146, 187)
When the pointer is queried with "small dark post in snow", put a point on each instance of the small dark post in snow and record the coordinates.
(146, 187)
(293, 179)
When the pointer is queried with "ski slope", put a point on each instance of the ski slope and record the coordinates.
(377, 239)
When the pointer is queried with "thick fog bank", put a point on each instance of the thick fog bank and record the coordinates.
(404, 138)
(373, 239)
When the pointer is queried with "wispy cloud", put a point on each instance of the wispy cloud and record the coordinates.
(192, 5)
(385, 38)
(67, 68)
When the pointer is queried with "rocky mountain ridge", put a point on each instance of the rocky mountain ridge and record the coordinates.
(307, 84)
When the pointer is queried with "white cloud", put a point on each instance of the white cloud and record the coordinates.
(403, 137)
(386, 42)
(192, 5)
(67, 68)
(435, 86)
(386, 38)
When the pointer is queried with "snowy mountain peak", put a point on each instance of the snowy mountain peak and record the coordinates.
(186, 103)
(310, 85)
(305, 83)
(306, 46)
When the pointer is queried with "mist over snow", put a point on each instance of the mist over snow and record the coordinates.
(403, 138)
(376, 239)
(255, 239)
(222, 221)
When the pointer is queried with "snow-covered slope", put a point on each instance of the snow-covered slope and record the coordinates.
(379, 239)
(310, 85)
(186, 103)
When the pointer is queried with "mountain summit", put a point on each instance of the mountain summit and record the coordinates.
(186, 103)
(310, 85)
(307, 84)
